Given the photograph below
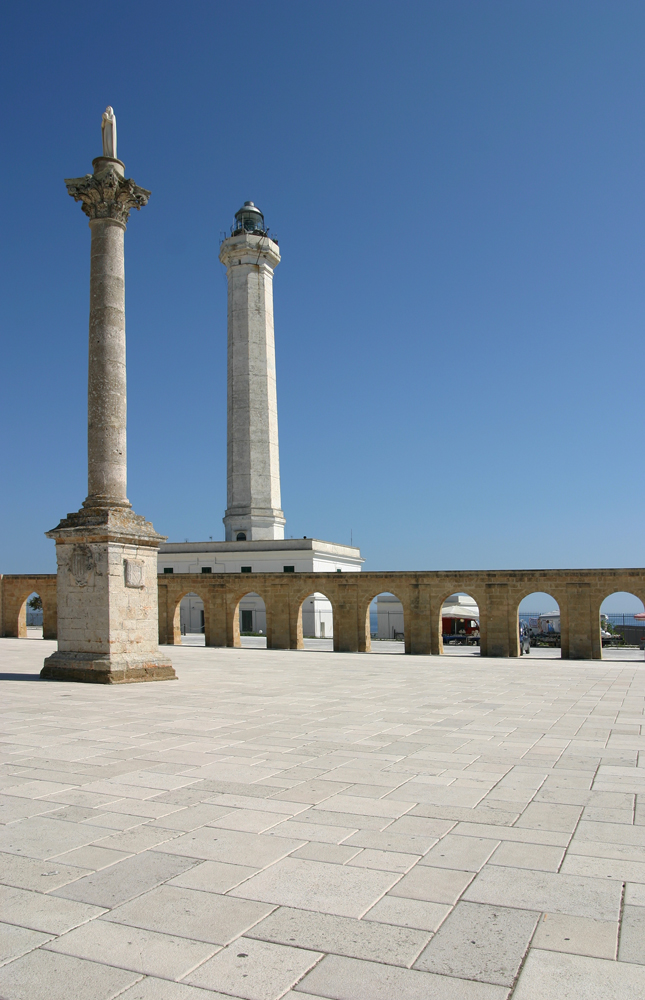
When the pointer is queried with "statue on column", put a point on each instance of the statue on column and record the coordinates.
(108, 132)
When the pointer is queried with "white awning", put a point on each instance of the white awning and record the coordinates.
(460, 611)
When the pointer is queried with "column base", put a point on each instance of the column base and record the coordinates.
(90, 668)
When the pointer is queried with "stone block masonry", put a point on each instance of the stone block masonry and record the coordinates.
(498, 594)
(107, 602)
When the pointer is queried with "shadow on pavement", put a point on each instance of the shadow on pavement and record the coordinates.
(20, 677)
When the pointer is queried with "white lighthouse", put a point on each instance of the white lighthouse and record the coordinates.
(253, 511)
(254, 522)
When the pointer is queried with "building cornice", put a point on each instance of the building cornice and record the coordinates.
(268, 546)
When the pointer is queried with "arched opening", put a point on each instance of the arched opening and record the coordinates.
(252, 621)
(30, 617)
(241, 536)
(622, 631)
(386, 624)
(459, 624)
(539, 626)
(316, 616)
(192, 620)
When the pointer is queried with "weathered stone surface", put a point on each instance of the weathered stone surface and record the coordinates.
(107, 624)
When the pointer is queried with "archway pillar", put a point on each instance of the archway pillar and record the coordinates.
(494, 623)
(347, 630)
(169, 626)
(162, 597)
(174, 636)
(11, 611)
(434, 613)
(233, 620)
(296, 640)
(278, 611)
(50, 630)
(215, 615)
(512, 608)
(417, 620)
(580, 635)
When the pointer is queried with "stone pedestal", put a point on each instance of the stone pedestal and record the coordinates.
(108, 629)
(107, 555)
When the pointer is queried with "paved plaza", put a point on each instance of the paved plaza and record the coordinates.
(315, 825)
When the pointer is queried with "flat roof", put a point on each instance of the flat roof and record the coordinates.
(270, 545)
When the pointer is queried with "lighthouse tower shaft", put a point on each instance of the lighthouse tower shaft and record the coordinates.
(253, 465)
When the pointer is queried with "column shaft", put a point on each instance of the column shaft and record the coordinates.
(107, 400)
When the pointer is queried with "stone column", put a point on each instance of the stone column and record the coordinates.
(106, 391)
(253, 465)
(106, 554)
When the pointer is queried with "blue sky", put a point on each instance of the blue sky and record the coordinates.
(457, 188)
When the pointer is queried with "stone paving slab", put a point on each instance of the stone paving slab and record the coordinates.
(551, 976)
(486, 943)
(278, 825)
(350, 979)
(254, 970)
(134, 949)
(341, 935)
(578, 935)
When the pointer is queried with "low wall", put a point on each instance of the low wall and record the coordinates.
(579, 594)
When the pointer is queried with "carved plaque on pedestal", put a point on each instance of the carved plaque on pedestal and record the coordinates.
(81, 564)
(134, 573)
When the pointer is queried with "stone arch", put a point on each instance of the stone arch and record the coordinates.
(23, 613)
(319, 623)
(15, 590)
(470, 633)
(559, 600)
(175, 617)
(365, 609)
(252, 617)
(234, 598)
(623, 587)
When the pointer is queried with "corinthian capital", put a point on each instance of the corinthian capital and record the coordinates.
(107, 195)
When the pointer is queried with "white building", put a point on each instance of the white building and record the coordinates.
(292, 555)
